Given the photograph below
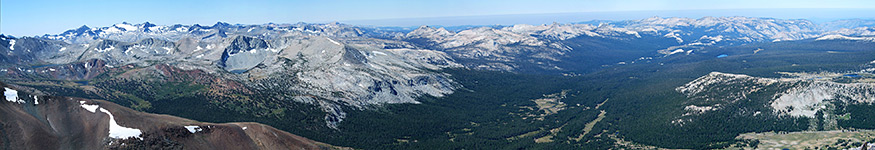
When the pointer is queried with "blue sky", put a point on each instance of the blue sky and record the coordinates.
(37, 17)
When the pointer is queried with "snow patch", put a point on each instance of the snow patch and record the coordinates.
(713, 39)
(106, 49)
(127, 27)
(91, 108)
(112, 30)
(12, 44)
(633, 33)
(676, 51)
(193, 129)
(118, 131)
(332, 41)
(155, 28)
(699, 109)
(12, 95)
(62, 49)
(675, 36)
(35, 100)
(168, 50)
(244, 128)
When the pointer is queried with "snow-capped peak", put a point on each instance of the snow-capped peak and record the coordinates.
(126, 27)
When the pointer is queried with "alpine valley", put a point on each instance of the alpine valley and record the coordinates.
(675, 83)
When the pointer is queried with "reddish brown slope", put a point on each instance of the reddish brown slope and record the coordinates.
(63, 123)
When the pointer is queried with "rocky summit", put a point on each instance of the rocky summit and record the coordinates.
(35, 121)
(635, 84)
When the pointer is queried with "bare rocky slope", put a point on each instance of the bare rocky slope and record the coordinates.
(35, 121)
(798, 95)
(318, 70)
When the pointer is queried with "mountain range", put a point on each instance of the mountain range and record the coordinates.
(321, 75)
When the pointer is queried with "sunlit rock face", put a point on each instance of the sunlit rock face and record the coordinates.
(328, 65)
(801, 95)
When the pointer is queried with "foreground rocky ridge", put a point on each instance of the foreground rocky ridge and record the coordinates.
(34, 121)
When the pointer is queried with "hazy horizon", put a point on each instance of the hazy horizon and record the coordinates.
(29, 18)
(825, 15)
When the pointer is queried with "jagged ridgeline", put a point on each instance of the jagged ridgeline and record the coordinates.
(618, 84)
